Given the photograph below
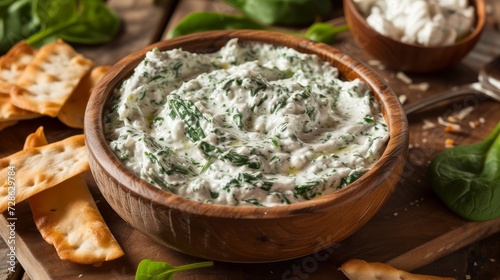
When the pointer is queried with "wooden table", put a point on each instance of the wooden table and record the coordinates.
(413, 231)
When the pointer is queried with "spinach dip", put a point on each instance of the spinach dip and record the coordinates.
(248, 125)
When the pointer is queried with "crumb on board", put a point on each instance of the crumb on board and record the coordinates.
(448, 143)
(465, 112)
(428, 124)
(374, 62)
(474, 124)
(404, 78)
(449, 126)
(420, 86)
(482, 120)
(402, 98)
(452, 119)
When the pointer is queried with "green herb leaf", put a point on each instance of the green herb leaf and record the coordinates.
(205, 21)
(240, 160)
(154, 270)
(353, 176)
(189, 113)
(85, 22)
(324, 32)
(16, 22)
(284, 12)
(467, 178)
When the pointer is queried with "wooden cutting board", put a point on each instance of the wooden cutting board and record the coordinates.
(411, 230)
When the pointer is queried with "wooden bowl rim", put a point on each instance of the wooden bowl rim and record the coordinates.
(393, 156)
(480, 9)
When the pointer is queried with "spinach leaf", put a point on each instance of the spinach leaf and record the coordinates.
(324, 32)
(467, 178)
(284, 12)
(153, 270)
(85, 22)
(189, 113)
(205, 21)
(16, 22)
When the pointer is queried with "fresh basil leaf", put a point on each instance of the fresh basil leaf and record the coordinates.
(154, 270)
(205, 21)
(467, 178)
(284, 12)
(16, 22)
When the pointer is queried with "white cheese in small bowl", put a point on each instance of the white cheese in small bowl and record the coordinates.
(251, 124)
(423, 22)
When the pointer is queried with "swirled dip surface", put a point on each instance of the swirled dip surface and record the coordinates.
(248, 125)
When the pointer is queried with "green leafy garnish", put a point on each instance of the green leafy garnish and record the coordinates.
(16, 22)
(467, 178)
(187, 111)
(205, 21)
(284, 12)
(39, 22)
(324, 32)
(154, 270)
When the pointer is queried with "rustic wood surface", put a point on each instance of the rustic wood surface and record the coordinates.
(413, 231)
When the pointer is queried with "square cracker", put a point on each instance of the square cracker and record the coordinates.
(13, 63)
(48, 81)
(37, 169)
(68, 218)
(9, 112)
(73, 111)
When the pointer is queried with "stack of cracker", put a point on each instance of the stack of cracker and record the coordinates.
(63, 208)
(53, 81)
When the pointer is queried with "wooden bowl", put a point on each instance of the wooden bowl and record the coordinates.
(245, 234)
(411, 57)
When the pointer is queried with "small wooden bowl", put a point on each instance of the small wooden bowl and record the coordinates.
(411, 57)
(245, 234)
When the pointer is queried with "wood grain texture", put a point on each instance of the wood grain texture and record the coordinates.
(143, 22)
(411, 57)
(246, 234)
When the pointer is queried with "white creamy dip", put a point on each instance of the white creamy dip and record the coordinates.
(248, 125)
(424, 22)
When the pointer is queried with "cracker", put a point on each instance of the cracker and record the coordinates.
(13, 63)
(37, 169)
(68, 218)
(73, 111)
(9, 112)
(48, 81)
(356, 269)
